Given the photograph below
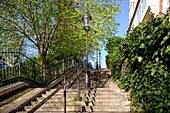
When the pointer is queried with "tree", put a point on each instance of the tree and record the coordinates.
(52, 26)
(114, 57)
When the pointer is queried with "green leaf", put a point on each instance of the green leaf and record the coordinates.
(153, 70)
(164, 39)
(167, 49)
(161, 71)
(142, 45)
(157, 59)
(139, 59)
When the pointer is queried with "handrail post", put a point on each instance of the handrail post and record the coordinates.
(78, 83)
(34, 71)
(64, 78)
(64, 98)
(19, 73)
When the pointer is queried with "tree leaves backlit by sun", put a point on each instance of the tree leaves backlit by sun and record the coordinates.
(54, 27)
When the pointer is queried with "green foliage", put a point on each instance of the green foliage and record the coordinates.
(147, 51)
(148, 72)
(113, 59)
(54, 28)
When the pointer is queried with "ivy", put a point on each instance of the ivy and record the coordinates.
(147, 51)
(148, 71)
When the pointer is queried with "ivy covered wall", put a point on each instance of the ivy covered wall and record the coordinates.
(147, 53)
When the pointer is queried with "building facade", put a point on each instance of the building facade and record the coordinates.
(143, 10)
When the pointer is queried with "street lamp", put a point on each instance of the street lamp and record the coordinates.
(99, 60)
(86, 18)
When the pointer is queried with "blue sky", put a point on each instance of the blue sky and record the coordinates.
(121, 18)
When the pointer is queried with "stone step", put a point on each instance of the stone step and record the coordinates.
(109, 94)
(60, 98)
(72, 112)
(62, 95)
(71, 92)
(61, 103)
(11, 87)
(33, 103)
(50, 91)
(77, 112)
(60, 108)
(112, 102)
(68, 89)
(107, 98)
(28, 108)
(68, 93)
(56, 99)
(110, 90)
(115, 108)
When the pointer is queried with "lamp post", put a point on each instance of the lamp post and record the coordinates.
(99, 65)
(86, 20)
(99, 60)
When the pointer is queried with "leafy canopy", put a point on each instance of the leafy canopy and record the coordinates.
(54, 27)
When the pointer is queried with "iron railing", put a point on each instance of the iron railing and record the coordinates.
(16, 66)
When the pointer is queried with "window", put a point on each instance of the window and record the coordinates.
(133, 5)
(143, 5)
(139, 14)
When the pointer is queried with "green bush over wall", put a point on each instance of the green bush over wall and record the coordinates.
(147, 51)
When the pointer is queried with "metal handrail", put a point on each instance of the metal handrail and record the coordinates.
(65, 96)
(21, 66)
(68, 85)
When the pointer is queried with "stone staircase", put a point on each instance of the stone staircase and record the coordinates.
(107, 98)
(56, 103)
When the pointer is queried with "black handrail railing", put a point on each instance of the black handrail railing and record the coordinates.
(80, 70)
(17, 66)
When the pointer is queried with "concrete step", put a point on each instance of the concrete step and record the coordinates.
(110, 98)
(61, 103)
(59, 99)
(62, 95)
(122, 103)
(110, 94)
(71, 90)
(28, 108)
(114, 108)
(33, 103)
(108, 88)
(68, 93)
(76, 112)
(50, 91)
(60, 108)
(72, 112)
(12, 87)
